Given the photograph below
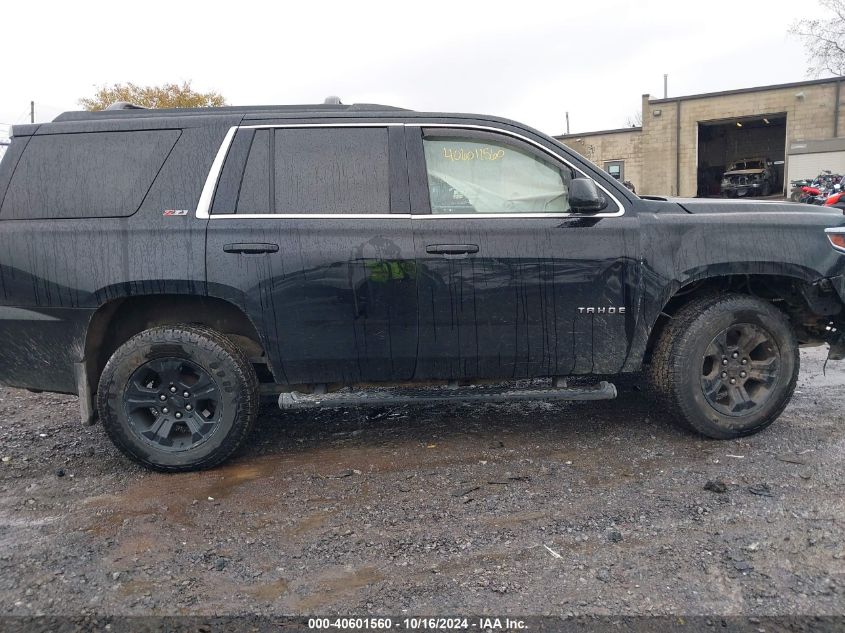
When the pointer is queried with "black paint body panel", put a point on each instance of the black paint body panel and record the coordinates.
(361, 300)
(68, 268)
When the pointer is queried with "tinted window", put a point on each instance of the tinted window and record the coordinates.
(305, 170)
(331, 170)
(231, 176)
(103, 174)
(254, 195)
(487, 175)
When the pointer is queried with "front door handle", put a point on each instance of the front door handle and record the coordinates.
(251, 248)
(451, 250)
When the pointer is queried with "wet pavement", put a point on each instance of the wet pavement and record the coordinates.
(529, 508)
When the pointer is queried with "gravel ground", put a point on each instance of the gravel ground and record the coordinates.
(568, 508)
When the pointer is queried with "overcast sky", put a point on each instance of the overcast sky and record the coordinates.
(530, 61)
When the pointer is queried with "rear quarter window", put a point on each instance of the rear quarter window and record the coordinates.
(88, 175)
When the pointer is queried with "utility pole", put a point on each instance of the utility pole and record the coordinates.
(665, 85)
(567, 122)
(32, 111)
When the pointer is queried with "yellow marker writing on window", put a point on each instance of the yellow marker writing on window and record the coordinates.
(478, 153)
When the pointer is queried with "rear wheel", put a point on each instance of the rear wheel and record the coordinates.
(727, 364)
(178, 398)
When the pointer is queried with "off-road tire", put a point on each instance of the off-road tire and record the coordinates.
(675, 368)
(205, 348)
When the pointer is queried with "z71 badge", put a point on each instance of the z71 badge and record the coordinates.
(170, 212)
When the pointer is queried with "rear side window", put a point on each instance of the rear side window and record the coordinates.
(88, 175)
(332, 170)
(306, 170)
(254, 195)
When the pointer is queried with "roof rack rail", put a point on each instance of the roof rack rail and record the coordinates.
(123, 110)
(124, 105)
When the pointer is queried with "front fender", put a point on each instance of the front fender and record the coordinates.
(658, 291)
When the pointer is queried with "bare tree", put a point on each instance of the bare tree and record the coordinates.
(824, 39)
(634, 120)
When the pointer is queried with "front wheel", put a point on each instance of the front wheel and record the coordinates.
(727, 364)
(178, 398)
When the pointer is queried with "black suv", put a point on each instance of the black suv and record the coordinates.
(173, 265)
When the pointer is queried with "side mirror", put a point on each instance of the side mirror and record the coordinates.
(584, 196)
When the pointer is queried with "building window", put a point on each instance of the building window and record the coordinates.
(615, 168)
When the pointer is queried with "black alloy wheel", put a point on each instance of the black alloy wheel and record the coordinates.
(726, 365)
(178, 397)
(173, 404)
(740, 369)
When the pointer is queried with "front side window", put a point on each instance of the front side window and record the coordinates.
(483, 174)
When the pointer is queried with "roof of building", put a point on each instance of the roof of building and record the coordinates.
(635, 128)
(738, 91)
(706, 95)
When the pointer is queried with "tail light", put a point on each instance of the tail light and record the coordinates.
(836, 237)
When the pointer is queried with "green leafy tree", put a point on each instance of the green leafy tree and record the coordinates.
(164, 96)
(824, 39)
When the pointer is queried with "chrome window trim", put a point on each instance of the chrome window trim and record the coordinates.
(204, 204)
(525, 139)
(207, 195)
(311, 216)
(507, 216)
(388, 216)
(305, 125)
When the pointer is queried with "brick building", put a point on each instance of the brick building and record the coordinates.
(686, 143)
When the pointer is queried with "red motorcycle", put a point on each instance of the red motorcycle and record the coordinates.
(837, 201)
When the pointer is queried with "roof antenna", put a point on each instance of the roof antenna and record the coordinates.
(332, 100)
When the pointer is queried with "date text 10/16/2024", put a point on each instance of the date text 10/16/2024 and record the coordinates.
(417, 624)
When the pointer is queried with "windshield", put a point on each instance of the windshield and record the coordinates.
(747, 164)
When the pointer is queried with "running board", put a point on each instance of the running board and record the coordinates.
(385, 396)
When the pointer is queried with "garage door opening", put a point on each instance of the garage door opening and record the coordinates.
(723, 143)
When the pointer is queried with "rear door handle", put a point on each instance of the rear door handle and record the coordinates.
(251, 248)
(451, 250)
